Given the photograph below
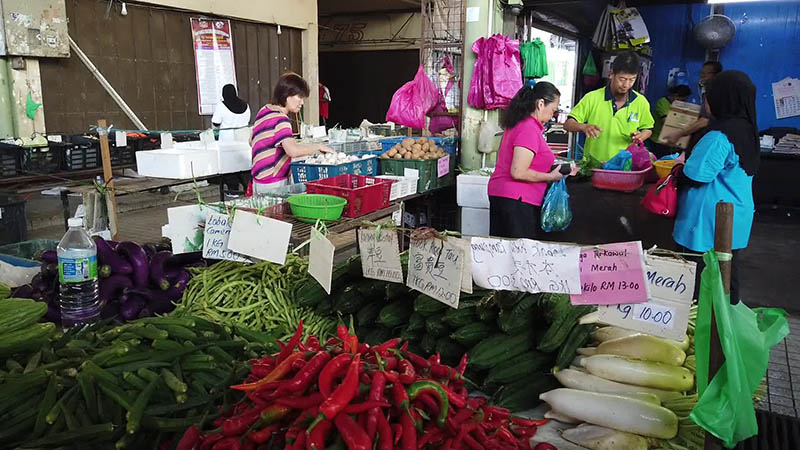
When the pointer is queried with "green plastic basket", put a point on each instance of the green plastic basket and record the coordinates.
(311, 207)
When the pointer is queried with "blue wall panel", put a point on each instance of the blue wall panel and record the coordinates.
(766, 47)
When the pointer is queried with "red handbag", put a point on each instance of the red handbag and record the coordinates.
(662, 198)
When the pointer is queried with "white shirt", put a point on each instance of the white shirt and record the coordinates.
(229, 119)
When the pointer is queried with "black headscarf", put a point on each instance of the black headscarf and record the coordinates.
(232, 101)
(732, 100)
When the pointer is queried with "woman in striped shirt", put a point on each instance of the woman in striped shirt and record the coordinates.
(272, 141)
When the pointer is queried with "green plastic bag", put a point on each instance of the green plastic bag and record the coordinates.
(725, 406)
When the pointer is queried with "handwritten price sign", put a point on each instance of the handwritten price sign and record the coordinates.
(611, 274)
(435, 268)
(380, 255)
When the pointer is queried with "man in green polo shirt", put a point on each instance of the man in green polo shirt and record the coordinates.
(614, 116)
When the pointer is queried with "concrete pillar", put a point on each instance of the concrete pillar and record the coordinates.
(472, 117)
(26, 80)
(6, 115)
(310, 39)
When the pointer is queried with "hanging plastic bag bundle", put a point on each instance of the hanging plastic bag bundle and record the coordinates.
(412, 102)
(556, 213)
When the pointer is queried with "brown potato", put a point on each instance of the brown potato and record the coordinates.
(385, 156)
(407, 156)
(397, 156)
(407, 143)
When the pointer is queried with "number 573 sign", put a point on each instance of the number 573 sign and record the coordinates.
(666, 313)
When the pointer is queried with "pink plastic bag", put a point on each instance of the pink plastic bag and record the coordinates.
(475, 96)
(641, 157)
(441, 123)
(413, 101)
(497, 73)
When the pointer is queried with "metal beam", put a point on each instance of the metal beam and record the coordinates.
(106, 85)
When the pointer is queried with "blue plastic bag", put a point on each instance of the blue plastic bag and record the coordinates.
(556, 213)
(622, 161)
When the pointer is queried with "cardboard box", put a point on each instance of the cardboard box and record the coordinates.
(681, 115)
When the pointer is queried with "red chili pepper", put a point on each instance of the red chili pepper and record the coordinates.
(330, 372)
(354, 436)
(365, 379)
(300, 441)
(263, 435)
(397, 431)
(419, 362)
(430, 403)
(409, 440)
(210, 440)
(480, 434)
(400, 398)
(404, 348)
(495, 412)
(525, 432)
(247, 445)
(448, 444)
(313, 344)
(342, 396)
(260, 370)
(352, 339)
(190, 439)
(385, 439)
(445, 372)
(286, 351)
(431, 435)
(298, 365)
(462, 365)
(306, 402)
(306, 375)
(435, 359)
(229, 443)
(545, 446)
(332, 342)
(375, 395)
(407, 373)
(277, 373)
(236, 426)
(456, 400)
(383, 348)
(519, 421)
(358, 408)
(316, 440)
(273, 414)
(363, 348)
(506, 435)
(341, 333)
(392, 376)
(472, 443)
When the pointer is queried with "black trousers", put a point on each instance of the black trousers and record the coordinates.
(735, 261)
(514, 219)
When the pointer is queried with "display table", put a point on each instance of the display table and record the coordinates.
(776, 183)
(601, 216)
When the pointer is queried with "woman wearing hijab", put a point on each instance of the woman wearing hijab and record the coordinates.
(720, 168)
(231, 113)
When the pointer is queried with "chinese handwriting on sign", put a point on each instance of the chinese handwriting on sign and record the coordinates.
(380, 255)
(435, 268)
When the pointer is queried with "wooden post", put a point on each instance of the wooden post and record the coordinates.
(108, 174)
(723, 237)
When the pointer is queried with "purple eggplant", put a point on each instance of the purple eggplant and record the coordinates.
(107, 255)
(109, 311)
(163, 246)
(184, 259)
(159, 302)
(24, 291)
(131, 309)
(49, 256)
(136, 256)
(157, 276)
(53, 313)
(149, 250)
(110, 288)
(104, 271)
(145, 313)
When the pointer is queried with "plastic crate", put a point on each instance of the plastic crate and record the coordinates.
(13, 220)
(10, 160)
(28, 250)
(265, 205)
(82, 157)
(363, 194)
(449, 145)
(402, 186)
(619, 180)
(428, 172)
(122, 156)
(43, 160)
(303, 172)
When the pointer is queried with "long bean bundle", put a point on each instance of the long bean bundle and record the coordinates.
(257, 295)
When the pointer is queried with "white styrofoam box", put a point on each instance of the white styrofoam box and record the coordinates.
(472, 191)
(402, 186)
(234, 157)
(177, 163)
(475, 222)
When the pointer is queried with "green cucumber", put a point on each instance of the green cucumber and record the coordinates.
(449, 350)
(472, 333)
(459, 317)
(436, 327)
(394, 314)
(349, 301)
(416, 323)
(559, 330)
(396, 291)
(499, 348)
(428, 306)
(368, 313)
(428, 344)
(519, 367)
(523, 395)
(518, 317)
(576, 339)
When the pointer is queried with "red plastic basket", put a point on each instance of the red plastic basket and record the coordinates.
(619, 180)
(363, 194)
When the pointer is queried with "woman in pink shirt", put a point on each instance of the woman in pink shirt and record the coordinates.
(524, 163)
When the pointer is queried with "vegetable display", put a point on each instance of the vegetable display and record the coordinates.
(421, 148)
(335, 158)
(254, 295)
(348, 394)
(117, 386)
(135, 280)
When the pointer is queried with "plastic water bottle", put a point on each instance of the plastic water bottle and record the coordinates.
(77, 275)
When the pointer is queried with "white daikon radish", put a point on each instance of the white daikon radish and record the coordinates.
(587, 351)
(644, 347)
(555, 415)
(608, 333)
(595, 437)
(578, 361)
(640, 373)
(592, 317)
(614, 411)
(576, 379)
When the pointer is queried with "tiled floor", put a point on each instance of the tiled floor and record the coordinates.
(783, 374)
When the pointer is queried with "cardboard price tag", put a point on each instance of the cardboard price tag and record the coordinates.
(611, 274)
(216, 234)
(434, 268)
(121, 139)
(666, 314)
(466, 272)
(525, 265)
(260, 237)
(380, 255)
(320, 259)
(443, 165)
(166, 140)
